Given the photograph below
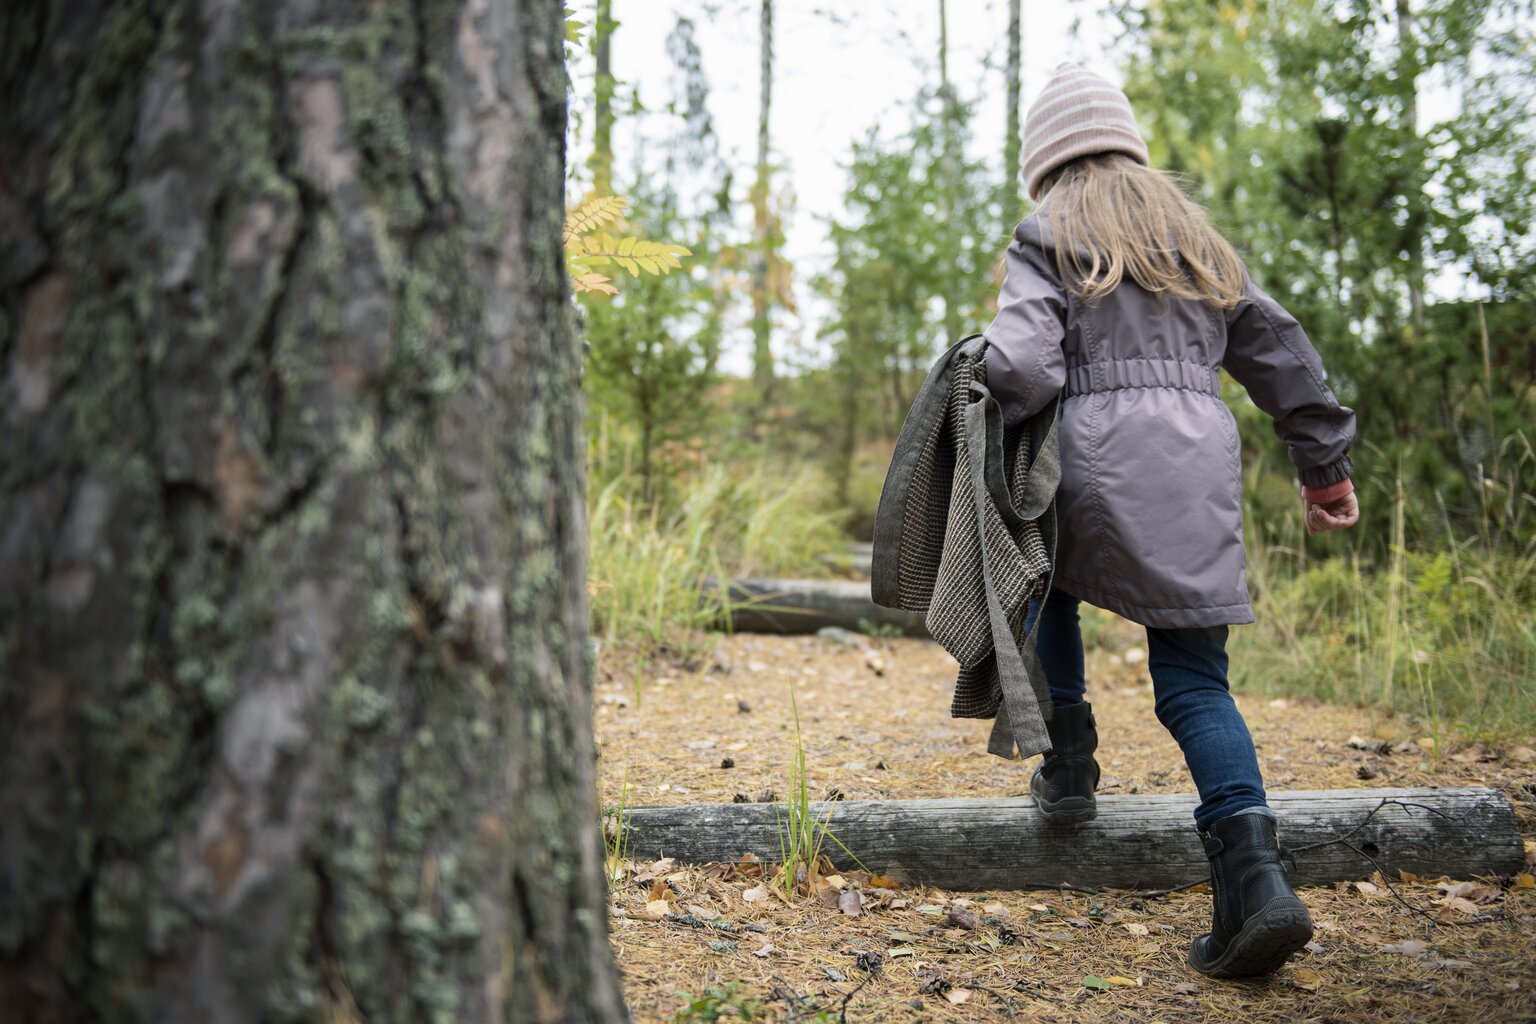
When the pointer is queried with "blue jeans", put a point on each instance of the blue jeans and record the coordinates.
(1189, 683)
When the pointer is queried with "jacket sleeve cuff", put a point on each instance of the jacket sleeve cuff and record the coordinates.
(1332, 492)
(1322, 476)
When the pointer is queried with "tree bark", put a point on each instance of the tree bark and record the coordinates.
(762, 350)
(1413, 189)
(602, 127)
(295, 714)
(1013, 141)
(948, 170)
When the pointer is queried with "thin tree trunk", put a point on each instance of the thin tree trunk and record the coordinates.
(947, 167)
(295, 722)
(602, 127)
(1012, 142)
(762, 350)
(1413, 231)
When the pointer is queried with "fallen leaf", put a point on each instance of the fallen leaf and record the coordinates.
(766, 951)
(1185, 988)
(1115, 979)
(1307, 979)
(1136, 928)
(837, 880)
(827, 895)
(1450, 965)
(961, 918)
(1094, 981)
(1460, 904)
(851, 903)
(659, 907)
(703, 913)
(833, 973)
(655, 869)
(995, 909)
(1413, 947)
(879, 881)
(895, 951)
(896, 935)
(756, 893)
(659, 890)
(958, 995)
(1477, 892)
(1369, 888)
(1525, 880)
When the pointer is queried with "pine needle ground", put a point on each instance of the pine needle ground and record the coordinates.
(875, 725)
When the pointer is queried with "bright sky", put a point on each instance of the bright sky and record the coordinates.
(841, 68)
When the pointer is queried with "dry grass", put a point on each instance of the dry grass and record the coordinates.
(875, 726)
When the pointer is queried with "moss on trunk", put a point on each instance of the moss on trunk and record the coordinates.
(294, 709)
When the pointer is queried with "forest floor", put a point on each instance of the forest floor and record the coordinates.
(875, 726)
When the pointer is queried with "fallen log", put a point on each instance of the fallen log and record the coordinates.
(804, 606)
(857, 556)
(1136, 842)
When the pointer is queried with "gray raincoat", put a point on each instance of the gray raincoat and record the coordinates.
(1150, 506)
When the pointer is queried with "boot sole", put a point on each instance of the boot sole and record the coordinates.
(1070, 810)
(1266, 941)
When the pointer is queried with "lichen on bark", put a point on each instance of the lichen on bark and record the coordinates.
(295, 712)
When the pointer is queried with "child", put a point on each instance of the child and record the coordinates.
(1146, 302)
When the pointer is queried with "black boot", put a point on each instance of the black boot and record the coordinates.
(1258, 921)
(1063, 783)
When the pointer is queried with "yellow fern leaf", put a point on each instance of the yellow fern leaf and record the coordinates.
(593, 283)
(593, 213)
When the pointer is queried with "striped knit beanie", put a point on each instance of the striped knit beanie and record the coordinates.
(1077, 113)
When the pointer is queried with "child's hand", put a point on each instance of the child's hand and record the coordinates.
(1330, 508)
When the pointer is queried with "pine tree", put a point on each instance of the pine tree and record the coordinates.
(296, 715)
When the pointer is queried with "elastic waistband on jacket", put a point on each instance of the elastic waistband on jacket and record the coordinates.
(1119, 374)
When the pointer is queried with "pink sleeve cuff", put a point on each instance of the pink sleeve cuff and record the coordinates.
(1332, 492)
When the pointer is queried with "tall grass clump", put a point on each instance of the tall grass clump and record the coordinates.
(1442, 629)
(649, 561)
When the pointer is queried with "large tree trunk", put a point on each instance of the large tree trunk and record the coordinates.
(294, 719)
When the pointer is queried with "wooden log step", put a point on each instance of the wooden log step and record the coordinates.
(1136, 842)
(804, 606)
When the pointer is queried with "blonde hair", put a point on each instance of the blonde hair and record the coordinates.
(1110, 216)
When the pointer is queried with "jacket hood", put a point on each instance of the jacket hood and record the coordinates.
(1036, 230)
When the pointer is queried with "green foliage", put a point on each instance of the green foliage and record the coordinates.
(1443, 637)
(800, 833)
(1302, 126)
(725, 1002)
(914, 268)
(652, 351)
(649, 561)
